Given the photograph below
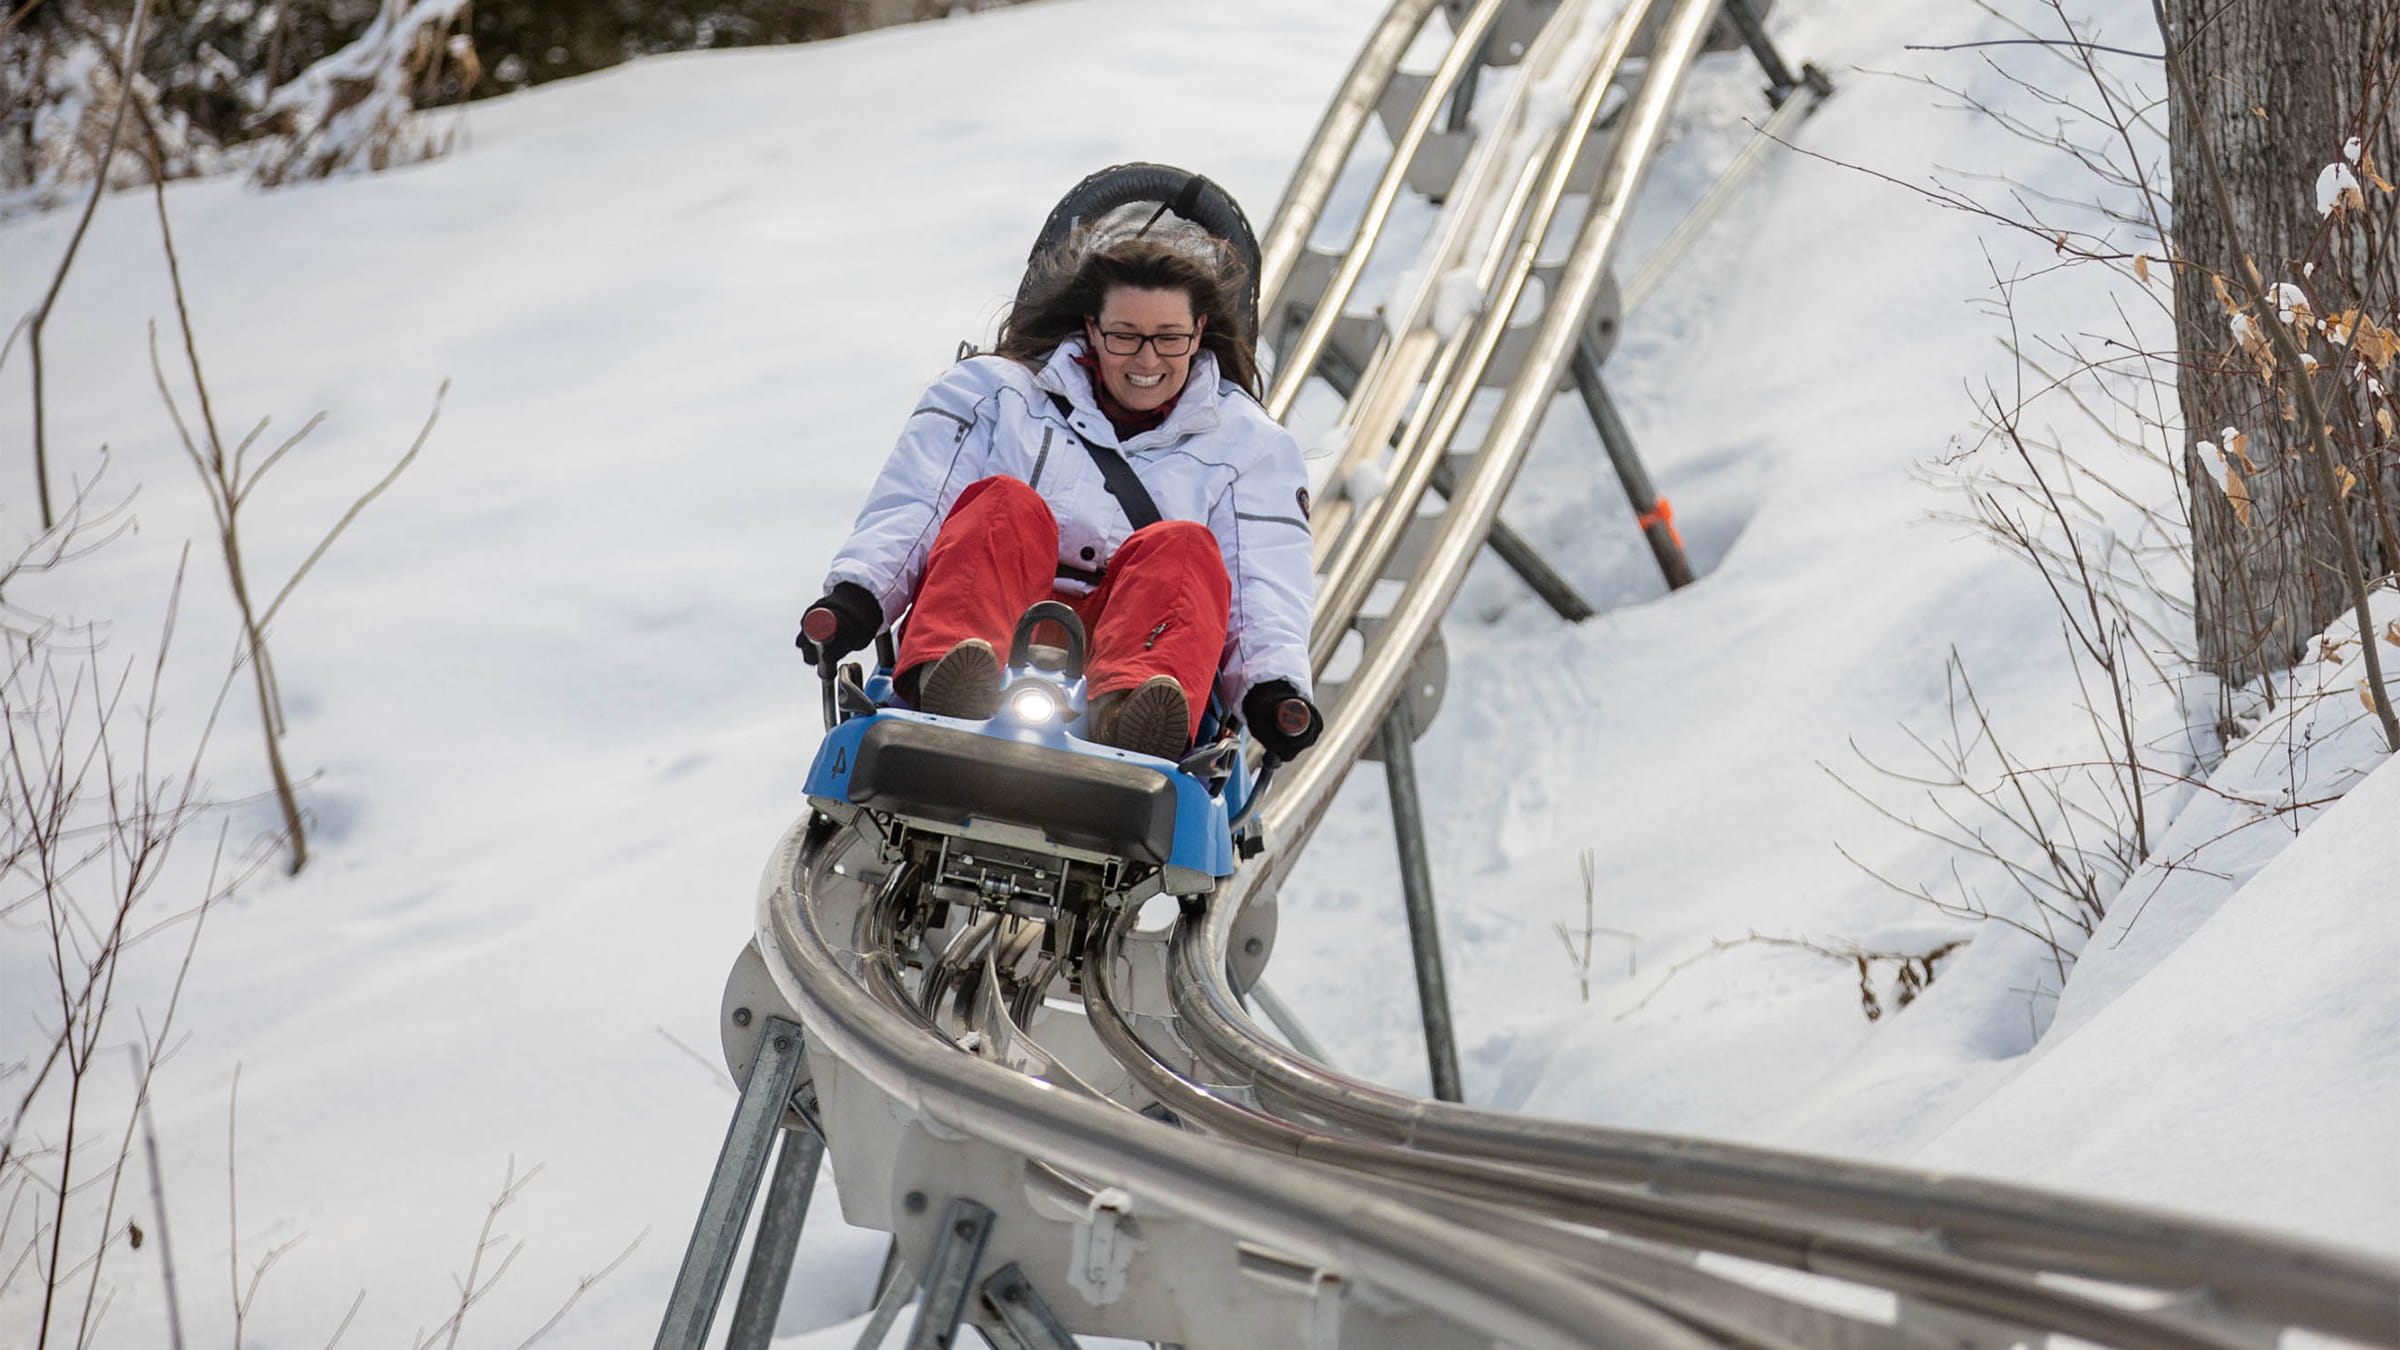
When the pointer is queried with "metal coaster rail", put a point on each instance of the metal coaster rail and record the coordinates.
(1653, 1190)
(1132, 1156)
(1302, 1210)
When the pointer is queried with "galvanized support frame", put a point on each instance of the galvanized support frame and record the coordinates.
(1288, 1022)
(1020, 1319)
(889, 1300)
(1416, 888)
(950, 1276)
(778, 1241)
(732, 1189)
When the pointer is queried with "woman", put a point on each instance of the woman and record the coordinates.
(1111, 454)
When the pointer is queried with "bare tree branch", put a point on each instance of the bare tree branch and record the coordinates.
(2060, 43)
(41, 312)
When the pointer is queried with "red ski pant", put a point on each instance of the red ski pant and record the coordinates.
(1160, 610)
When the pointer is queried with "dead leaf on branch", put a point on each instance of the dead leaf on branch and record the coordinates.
(2391, 632)
(2238, 445)
(2358, 331)
(2343, 481)
(2366, 696)
(2141, 268)
(2374, 343)
(2366, 170)
(2253, 338)
(2383, 420)
(2237, 493)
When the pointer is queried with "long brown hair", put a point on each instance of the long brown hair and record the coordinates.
(1069, 284)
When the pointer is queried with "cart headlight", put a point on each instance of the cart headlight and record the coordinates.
(1035, 704)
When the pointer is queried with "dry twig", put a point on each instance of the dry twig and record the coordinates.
(41, 312)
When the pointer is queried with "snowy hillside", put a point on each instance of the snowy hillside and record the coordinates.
(545, 697)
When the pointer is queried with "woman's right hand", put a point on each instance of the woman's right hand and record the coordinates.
(839, 623)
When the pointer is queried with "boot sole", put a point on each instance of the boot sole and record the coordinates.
(1155, 719)
(965, 683)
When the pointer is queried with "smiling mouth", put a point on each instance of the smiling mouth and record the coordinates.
(1145, 381)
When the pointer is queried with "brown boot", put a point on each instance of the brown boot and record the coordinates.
(1154, 719)
(964, 683)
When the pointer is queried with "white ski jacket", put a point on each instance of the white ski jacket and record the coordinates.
(1218, 459)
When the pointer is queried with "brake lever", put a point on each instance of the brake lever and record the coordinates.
(850, 691)
(1210, 763)
(818, 627)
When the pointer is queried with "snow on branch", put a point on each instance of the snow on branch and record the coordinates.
(356, 109)
(2337, 189)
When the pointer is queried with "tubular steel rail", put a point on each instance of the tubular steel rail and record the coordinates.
(1320, 165)
(1022, 1146)
(2258, 1279)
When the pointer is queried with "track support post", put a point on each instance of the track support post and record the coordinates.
(1021, 1320)
(1398, 740)
(1531, 568)
(732, 1188)
(889, 1300)
(950, 1277)
(778, 1241)
(1666, 545)
(1781, 83)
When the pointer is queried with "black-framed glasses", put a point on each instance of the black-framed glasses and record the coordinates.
(1165, 344)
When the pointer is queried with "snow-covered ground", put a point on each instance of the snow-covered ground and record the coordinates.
(544, 693)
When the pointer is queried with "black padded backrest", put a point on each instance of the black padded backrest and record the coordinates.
(1188, 196)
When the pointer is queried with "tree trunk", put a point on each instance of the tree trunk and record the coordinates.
(2282, 86)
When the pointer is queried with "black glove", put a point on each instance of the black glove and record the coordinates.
(1280, 719)
(844, 621)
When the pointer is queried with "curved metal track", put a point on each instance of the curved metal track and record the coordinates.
(1150, 1164)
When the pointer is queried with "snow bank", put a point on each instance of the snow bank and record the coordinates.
(2257, 1061)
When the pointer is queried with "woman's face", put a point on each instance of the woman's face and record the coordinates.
(1145, 377)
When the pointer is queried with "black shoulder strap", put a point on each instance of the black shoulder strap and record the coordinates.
(1123, 483)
